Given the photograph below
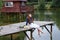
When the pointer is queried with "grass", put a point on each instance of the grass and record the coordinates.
(19, 36)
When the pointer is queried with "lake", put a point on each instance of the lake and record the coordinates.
(47, 15)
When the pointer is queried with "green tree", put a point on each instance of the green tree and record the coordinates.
(56, 3)
(32, 0)
(0, 4)
(48, 0)
(41, 4)
(56, 17)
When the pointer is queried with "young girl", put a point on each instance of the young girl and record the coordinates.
(29, 20)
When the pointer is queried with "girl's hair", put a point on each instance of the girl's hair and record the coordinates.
(30, 15)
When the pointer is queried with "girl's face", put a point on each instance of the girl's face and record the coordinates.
(30, 15)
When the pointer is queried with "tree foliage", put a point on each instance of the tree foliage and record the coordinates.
(41, 4)
(56, 3)
(32, 0)
(0, 4)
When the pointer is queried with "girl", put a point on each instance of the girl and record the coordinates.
(29, 20)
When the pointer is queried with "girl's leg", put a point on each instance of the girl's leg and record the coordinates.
(39, 31)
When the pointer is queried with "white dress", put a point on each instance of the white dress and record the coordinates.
(33, 25)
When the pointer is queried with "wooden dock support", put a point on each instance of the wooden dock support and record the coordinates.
(50, 31)
(26, 35)
(31, 35)
(30, 38)
(47, 29)
(11, 37)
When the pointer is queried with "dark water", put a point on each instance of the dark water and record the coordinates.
(48, 15)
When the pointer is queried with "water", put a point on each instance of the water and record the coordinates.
(46, 36)
(48, 15)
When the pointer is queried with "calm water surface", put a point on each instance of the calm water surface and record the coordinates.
(48, 15)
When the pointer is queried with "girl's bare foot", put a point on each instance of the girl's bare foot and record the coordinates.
(39, 31)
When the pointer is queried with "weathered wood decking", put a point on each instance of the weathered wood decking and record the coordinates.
(15, 28)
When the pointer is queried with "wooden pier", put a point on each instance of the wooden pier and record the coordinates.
(18, 27)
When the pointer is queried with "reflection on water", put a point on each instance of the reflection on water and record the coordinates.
(48, 15)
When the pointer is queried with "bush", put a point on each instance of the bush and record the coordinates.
(42, 6)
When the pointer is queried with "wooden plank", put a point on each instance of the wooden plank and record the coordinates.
(14, 28)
